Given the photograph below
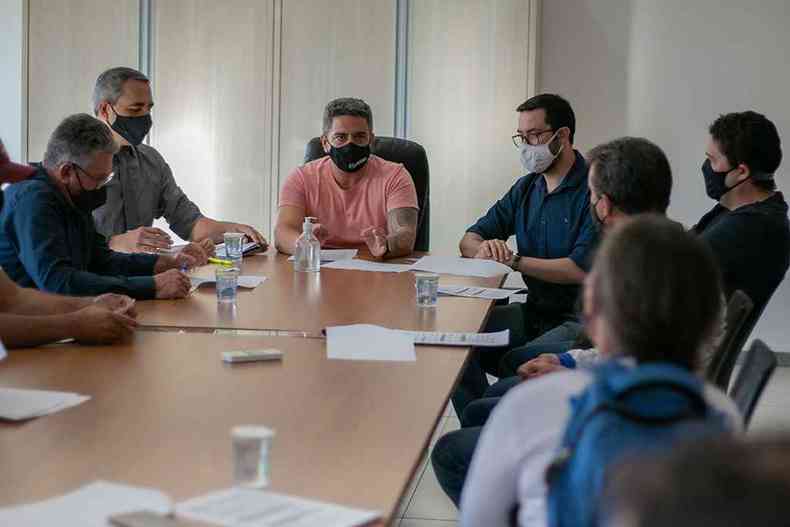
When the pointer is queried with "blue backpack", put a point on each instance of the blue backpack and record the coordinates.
(626, 411)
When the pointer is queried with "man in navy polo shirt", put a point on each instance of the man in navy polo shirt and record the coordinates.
(548, 212)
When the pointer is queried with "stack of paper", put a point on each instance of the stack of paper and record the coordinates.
(89, 506)
(461, 266)
(365, 265)
(255, 508)
(246, 282)
(247, 248)
(475, 292)
(18, 404)
(369, 342)
(333, 255)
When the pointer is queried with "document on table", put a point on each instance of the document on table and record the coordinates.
(333, 255)
(89, 506)
(369, 342)
(461, 266)
(365, 265)
(489, 293)
(239, 507)
(246, 282)
(17, 404)
(438, 338)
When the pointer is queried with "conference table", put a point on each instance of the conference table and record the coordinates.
(163, 404)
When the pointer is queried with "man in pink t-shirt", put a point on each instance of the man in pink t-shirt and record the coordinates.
(359, 198)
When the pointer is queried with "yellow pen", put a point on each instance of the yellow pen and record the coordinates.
(220, 261)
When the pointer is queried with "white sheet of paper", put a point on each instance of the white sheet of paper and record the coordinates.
(17, 404)
(438, 338)
(219, 249)
(488, 293)
(461, 266)
(369, 342)
(255, 508)
(3, 352)
(246, 282)
(365, 265)
(88, 506)
(333, 255)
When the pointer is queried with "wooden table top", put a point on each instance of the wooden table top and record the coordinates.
(163, 406)
(310, 302)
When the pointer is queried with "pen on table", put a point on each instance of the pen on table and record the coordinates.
(220, 261)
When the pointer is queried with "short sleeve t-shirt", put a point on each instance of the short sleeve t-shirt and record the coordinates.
(383, 186)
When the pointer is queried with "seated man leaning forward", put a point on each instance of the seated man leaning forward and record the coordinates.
(47, 236)
(359, 199)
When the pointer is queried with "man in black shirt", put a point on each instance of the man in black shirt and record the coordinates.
(748, 228)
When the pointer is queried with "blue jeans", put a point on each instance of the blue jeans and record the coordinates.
(557, 340)
(451, 458)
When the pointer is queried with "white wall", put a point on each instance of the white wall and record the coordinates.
(665, 70)
(12, 63)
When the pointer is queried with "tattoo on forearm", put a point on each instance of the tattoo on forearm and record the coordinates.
(402, 229)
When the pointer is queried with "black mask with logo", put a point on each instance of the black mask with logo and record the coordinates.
(351, 157)
(133, 129)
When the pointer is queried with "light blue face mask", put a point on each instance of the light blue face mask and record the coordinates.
(536, 159)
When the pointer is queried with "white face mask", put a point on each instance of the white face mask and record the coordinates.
(538, 158)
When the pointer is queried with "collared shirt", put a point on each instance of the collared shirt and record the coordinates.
(546, 225)
(46, 242)
(751, 245)
(143, 190)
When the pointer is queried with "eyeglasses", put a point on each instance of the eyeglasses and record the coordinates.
(101, 183)
(342, 139)
(532, 138)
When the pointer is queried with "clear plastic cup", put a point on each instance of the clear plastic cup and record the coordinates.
(251, 446)
(427, 285)
(227, 284)
(234, 247)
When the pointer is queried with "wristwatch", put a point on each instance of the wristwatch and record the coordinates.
(514, 260)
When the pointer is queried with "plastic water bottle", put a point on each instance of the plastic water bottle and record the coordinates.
(307, 257)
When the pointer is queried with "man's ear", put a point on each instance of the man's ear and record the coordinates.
(325, 144)
(607, 207)
(745, 173)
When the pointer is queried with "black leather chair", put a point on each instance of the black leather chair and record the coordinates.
(414, 158)
(757, 369)
(739, 309)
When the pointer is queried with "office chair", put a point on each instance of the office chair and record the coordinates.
(719, 370)
(757, 369)
(414, 158)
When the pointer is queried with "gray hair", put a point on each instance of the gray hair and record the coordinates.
(76, 140)
(347, 106)
(109, 85)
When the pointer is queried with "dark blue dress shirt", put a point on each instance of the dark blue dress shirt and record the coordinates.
(548, 226)
(46, 242)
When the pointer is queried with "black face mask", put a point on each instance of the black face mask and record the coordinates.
(715, 182)
(597, 220)
(351, 157)
(133, 129)
(89, 200)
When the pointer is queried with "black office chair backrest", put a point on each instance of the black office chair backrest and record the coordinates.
(739, 309)
(757, 368)
(413, 157)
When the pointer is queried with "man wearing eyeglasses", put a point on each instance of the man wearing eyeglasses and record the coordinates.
(358, 198)
(548, 212)
(47, 236)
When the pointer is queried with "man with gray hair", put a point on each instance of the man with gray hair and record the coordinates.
(144, 188)
(47, 235)
(359, 198)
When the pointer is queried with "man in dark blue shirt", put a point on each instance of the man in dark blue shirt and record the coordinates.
(47, 236)
(548, 212)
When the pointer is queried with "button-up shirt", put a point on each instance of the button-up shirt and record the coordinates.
(546, 225)
(46, 242)
(143, 190)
